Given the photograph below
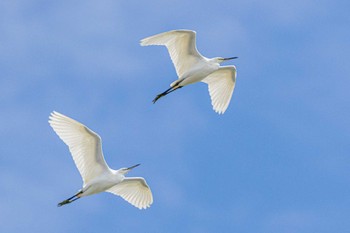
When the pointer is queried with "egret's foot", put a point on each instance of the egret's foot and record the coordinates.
(63, 203)
(171, 89)
(158, 97)
(71, 199)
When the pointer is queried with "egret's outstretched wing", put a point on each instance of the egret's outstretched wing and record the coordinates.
(181, 45)
(135, 191)
(84, 145)
(221, 84)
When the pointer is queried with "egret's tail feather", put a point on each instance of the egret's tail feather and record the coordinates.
(70, 200)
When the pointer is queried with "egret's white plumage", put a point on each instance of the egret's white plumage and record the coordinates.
(192, 67)
(86, 149)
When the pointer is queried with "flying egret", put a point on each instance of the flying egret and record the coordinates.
(86, 149)
(192, 67)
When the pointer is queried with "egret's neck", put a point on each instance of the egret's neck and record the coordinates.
(215, 60)
(211, 60)
(118, 173)
(213, 63)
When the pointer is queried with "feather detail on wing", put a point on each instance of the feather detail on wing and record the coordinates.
(181, 45)
(84, 145)
(221, 84)
(135, 191)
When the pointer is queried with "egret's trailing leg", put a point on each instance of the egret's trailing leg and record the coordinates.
(171, 89)
(162, 94)
(70, 200)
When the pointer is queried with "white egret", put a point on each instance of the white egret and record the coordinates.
(192, 67)
(86, 149)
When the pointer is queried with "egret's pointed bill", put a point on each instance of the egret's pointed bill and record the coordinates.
(129, 168)
(230, 58)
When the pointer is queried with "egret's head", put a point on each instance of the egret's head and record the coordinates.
(125, 170)
(222, 59)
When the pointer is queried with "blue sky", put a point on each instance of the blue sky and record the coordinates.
(276, 161)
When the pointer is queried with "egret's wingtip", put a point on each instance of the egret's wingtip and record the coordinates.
(54, 113)
(143, 207)
(220, 112)
(143, 42)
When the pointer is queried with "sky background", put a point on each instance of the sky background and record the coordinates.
(277, 161)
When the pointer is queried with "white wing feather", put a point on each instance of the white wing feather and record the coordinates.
(181, 45)
(221, 84)
(135, 191)
(84, 145)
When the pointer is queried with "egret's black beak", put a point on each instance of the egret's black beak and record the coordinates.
(230, 58)
(129, 168)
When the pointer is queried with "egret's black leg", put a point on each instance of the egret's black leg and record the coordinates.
(162, 94)
(178, 87)
(171, 89)
(69, 200)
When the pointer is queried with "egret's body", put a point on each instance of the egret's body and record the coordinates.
(192, 67)
(86, 149)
